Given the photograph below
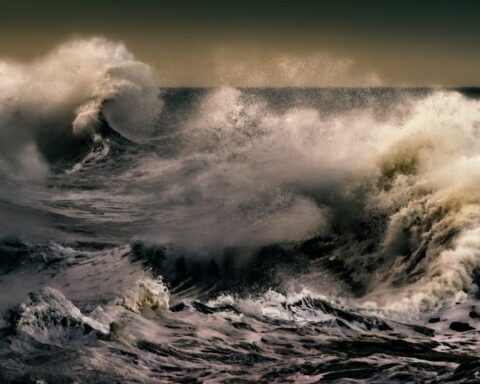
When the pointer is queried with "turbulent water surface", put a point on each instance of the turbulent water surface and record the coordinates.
(153, 235)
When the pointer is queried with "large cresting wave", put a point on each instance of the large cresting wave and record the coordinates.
(50, 108)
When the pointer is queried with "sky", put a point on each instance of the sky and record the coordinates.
(265, 43)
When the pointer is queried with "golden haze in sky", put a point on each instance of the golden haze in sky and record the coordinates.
(266, 43)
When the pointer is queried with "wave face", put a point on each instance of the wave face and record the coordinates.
(258, 235)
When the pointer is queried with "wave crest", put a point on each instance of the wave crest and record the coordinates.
(53, 104)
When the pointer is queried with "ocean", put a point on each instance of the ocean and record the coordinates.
(234, 235)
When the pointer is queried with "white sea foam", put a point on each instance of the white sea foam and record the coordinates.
(146, 295)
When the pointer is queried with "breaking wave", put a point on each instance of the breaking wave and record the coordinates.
(52, 109)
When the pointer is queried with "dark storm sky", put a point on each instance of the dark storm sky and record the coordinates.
(266, 43)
